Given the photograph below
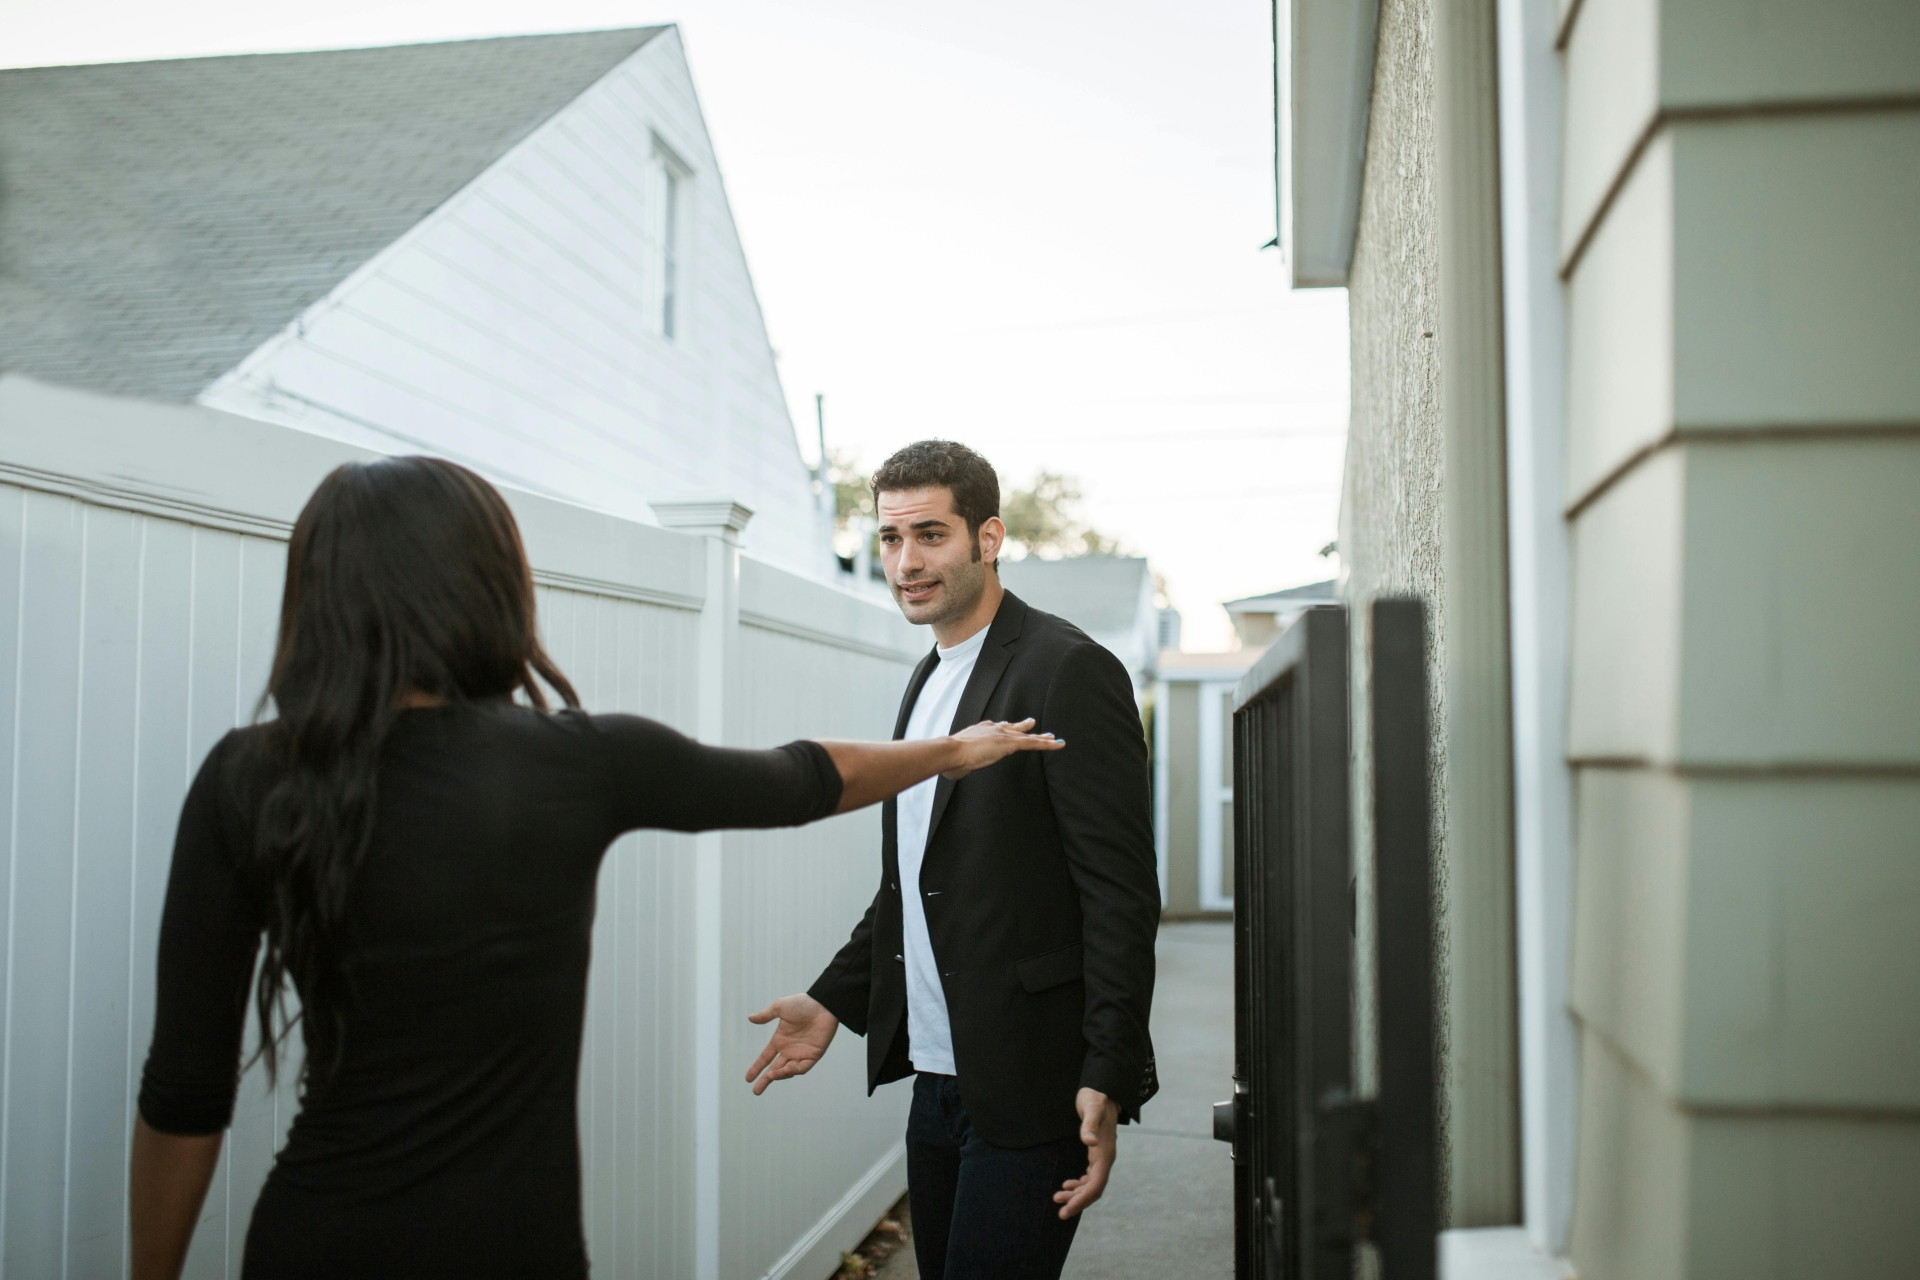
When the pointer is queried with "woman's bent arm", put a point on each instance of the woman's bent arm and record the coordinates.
(167, 1184)
(875, 771)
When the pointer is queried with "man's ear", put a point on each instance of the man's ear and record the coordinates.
(993, 536)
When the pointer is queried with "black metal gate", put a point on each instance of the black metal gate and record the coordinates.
(1316, 1170)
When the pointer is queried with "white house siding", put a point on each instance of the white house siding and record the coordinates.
(141, 561)
(517, 329)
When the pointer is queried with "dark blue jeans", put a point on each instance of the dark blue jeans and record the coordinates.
(982, 1212)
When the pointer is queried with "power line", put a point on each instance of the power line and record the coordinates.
(1217, 495)
(1222, 433)
(1118, 322)
(1211, 398)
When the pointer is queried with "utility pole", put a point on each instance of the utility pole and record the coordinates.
(820, 423)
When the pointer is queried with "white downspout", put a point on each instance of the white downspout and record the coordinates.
(1539, 568)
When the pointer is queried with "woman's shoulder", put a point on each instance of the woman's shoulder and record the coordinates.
(574, 728)
(236, 775)
(244, 756)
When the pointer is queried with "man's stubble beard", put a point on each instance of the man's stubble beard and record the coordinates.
(964, 587)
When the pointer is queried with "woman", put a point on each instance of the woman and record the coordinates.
(420, 851)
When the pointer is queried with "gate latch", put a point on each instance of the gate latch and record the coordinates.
(1226, 1115)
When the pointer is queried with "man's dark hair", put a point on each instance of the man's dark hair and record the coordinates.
(967, 475)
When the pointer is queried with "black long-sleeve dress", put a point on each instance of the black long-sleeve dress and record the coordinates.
(447, 1144)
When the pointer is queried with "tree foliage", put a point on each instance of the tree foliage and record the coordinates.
(851, 494)
(1044, 519)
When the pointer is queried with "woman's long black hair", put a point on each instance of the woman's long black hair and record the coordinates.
(403, 575)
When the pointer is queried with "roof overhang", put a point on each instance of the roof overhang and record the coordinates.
(1323, 82)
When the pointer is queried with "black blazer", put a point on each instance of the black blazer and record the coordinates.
(1041, 893)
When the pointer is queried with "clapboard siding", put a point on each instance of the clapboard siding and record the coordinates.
(517, 329)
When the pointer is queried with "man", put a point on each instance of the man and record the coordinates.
(1007, 960)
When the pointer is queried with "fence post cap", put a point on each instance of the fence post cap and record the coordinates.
(711, 515)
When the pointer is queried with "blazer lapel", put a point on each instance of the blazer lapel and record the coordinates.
(914, 684)
(995, 654)
(890, 811)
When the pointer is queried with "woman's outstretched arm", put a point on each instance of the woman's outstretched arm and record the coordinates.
(167, 1184)
(874, 771)
(659, 778)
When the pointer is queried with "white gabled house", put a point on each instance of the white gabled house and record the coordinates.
(516, 253)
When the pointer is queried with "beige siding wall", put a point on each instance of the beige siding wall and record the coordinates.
(1183, 805)
(1743, 463)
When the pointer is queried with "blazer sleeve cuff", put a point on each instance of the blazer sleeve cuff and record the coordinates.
(842, 1001)
(1129, 1088)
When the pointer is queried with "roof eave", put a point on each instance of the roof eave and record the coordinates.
(1323, 68)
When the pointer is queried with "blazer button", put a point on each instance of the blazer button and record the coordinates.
(901, 959)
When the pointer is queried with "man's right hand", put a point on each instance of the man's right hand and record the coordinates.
(805, 1030)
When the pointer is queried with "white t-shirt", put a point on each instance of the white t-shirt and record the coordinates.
(929, 1034)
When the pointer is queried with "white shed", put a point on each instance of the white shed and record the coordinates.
(515, 253)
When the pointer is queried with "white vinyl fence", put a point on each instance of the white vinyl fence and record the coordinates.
(141, 554)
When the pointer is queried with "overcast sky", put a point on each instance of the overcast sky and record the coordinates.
(1034, 227)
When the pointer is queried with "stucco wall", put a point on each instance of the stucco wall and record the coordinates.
(1390, 504)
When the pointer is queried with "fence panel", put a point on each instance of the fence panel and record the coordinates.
(636, 1137)
(792, 898)
(134, 644)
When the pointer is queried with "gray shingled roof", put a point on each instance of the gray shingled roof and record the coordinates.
(1098, 594)
(160, 220)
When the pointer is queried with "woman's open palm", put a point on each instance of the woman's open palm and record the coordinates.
(993, 740)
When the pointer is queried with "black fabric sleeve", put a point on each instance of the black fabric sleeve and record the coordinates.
(843, 987)
(1099, 791)
(209, 934)
(657, 777)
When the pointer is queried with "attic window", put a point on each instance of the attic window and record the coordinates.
(669, 251)
(665, 225)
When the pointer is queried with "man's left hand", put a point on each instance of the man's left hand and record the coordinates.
(1099, 1129)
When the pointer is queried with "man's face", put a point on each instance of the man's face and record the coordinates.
(931, 562)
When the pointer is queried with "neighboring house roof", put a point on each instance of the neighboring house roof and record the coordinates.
(159, 221)
(1313, 593)
(1099, 594)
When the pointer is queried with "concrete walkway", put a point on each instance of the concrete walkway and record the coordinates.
(1168, 1211)
(1169, 1208)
